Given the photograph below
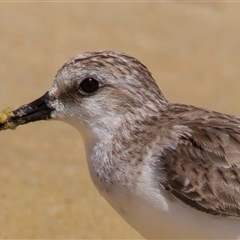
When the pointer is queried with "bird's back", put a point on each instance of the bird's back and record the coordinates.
(195, 169)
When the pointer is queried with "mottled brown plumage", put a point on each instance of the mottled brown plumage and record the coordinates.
(203, 170)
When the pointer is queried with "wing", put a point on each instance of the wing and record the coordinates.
(203, 169)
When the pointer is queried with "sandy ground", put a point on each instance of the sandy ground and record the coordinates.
(193, 51)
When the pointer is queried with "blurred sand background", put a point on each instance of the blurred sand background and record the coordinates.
(193, 51)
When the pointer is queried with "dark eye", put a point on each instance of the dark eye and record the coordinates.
(89, 85)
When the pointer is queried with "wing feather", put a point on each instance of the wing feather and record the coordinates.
(203, 170)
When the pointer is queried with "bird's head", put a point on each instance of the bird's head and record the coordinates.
(93, 89)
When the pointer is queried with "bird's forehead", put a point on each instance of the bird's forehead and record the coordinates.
(106, 62)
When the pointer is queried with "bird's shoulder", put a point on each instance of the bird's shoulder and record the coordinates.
(201, 159)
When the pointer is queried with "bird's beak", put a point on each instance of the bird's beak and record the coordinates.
(40, 109)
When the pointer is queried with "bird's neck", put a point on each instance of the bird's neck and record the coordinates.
(115, 151)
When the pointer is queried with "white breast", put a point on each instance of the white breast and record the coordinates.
(153, 212)
(157, 216)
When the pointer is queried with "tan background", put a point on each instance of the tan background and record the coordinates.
(192, 49)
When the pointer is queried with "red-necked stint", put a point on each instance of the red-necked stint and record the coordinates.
(172, 171)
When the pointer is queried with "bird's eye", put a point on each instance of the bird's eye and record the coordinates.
(89, 85)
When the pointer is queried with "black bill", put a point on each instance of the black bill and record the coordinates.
(39, 109)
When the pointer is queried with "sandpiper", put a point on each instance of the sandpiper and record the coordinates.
(172, 171)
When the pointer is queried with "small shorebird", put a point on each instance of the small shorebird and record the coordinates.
(172, 171)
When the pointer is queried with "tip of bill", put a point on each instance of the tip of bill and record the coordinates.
(5, 115)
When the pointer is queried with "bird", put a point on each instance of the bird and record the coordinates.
(170, 170)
